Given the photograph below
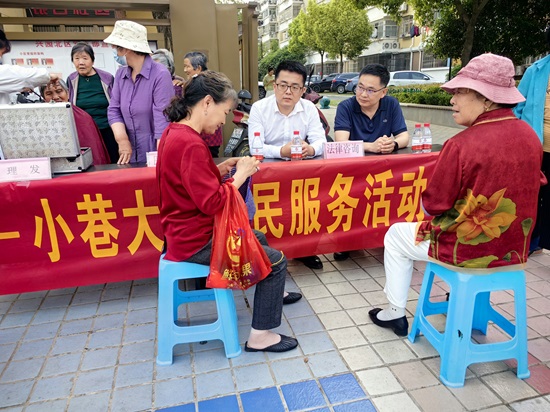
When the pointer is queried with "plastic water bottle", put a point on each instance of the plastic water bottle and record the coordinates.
(296, 146)
(416, 144)
(257, 147)
(426, 139)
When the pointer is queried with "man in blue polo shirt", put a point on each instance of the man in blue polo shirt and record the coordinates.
(371, 116)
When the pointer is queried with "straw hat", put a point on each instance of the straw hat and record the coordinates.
(490, 75)
(130, 35)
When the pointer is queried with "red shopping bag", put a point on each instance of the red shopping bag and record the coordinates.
(238, 260)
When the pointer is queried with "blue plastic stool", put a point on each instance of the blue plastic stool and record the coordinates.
(469, 308)
(170, 297)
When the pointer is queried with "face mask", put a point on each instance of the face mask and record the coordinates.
(120, 59)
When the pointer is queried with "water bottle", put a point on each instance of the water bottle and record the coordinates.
(257, 147)
(426, 139)
(416, 144)
(296, 146)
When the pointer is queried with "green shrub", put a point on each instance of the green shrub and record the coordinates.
(430, 94)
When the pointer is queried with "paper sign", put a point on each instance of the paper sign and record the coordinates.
(338, 150)
(151, 159)
(16, 170)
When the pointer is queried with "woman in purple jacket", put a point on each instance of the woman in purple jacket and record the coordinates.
(90, 89)
(141, 92)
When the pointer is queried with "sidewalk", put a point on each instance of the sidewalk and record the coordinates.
(93, 349)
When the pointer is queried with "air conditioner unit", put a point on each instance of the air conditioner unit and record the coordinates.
(404, 7)
(390, 45)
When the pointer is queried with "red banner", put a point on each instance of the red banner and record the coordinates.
(99, 227)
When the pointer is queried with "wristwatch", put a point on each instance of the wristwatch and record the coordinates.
(396, 147)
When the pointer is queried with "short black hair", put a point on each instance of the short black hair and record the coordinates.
(4, 42)
(378, 70)
(548, 35)
(83, 47)
(197, 59)
(293, 67)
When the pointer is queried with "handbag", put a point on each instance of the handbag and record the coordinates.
(238, 260)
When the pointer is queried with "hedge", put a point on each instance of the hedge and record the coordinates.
(430, 94)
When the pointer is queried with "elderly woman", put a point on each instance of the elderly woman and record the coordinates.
(193, 64)
(192, 193)
(15, 78)
(141, 92)
(483, 192)
(88, 133)
(90, 89)
(166, 58)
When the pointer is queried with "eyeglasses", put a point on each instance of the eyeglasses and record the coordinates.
(360, 90)
(283, 87)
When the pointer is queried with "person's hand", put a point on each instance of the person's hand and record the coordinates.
(226, 166)
(248, 165)
(307, 150)
(285, 150)
(384, 145)
(124, 151)
(53, 78)
(178, 82)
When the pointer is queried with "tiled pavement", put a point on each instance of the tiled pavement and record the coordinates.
(93, 349)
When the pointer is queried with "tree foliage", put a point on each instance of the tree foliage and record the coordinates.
(348, 31)
(275, 57)
(467, 28)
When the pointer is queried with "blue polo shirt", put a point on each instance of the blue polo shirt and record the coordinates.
(388, 120)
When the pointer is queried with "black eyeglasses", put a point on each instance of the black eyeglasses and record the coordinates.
(283, 87)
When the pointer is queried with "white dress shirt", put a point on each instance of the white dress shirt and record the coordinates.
(276, 129)
(16, 78)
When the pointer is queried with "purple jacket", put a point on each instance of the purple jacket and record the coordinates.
(140, 105)
(107, 80)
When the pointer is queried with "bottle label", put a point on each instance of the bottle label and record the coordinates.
(258, 154)
(296, 152)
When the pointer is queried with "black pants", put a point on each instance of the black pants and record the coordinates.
(542, 226)
(268, 298)
(110, 143)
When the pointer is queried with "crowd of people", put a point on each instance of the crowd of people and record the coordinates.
(486, 187)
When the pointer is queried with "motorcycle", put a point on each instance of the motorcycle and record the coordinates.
(238, 142)
(237, 146)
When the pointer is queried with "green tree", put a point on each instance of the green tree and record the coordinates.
(467, 28)
(306, 30)
(275, 57)
(346, 30)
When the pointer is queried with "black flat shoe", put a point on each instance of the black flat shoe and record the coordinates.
(400, 326)
(287, 343)
(340, 256)
(292, 297)
(312, 262)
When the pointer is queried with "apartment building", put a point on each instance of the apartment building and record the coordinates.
(398, 46)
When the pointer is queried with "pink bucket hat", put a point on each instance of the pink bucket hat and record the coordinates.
(490, 75)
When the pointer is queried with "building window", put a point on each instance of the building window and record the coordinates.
(406, 25)
(429, 61)
(390, 28)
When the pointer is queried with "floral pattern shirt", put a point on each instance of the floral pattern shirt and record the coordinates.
(483, 194)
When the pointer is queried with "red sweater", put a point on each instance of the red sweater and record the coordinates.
(190, 191)
(483, 193)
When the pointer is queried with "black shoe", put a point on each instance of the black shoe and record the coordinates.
(292, 297)
(312, 262)
(400, 326)
(287, 343)
(340, 256)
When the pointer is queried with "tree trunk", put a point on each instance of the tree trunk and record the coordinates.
(470, 22)
(341, 63)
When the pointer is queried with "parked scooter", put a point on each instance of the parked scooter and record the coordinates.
(238, 142)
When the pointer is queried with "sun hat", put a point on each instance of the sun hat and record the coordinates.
(490, 75)
(130, 35)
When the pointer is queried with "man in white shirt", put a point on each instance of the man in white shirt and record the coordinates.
(276, 117)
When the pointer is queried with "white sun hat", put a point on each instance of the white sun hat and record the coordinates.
(130, 35)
